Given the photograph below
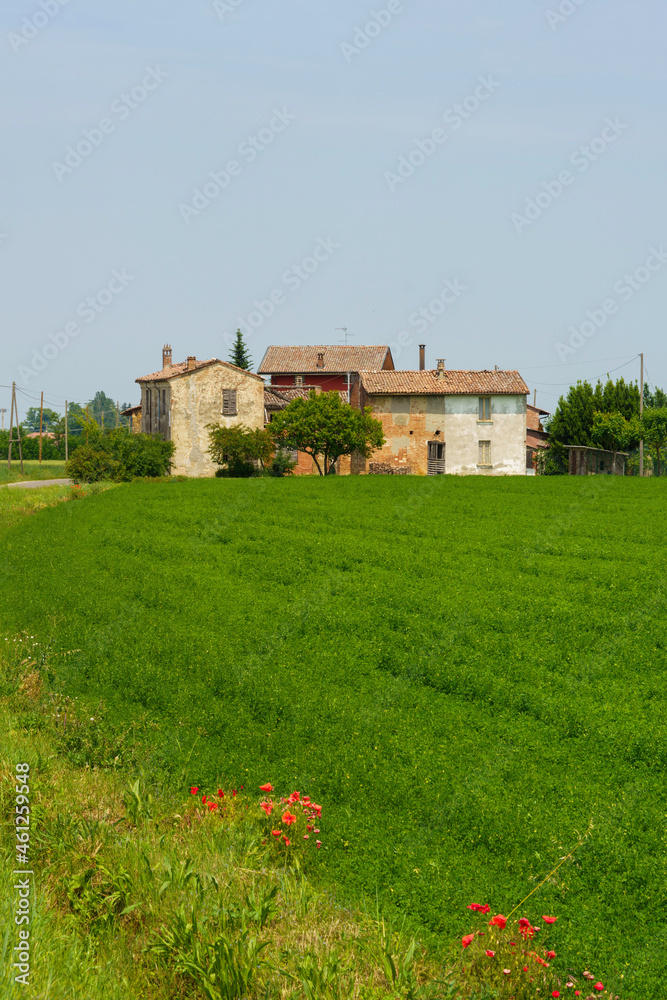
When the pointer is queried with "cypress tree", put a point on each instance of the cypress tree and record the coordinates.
(239, 355)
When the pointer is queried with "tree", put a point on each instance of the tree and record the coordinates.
(239, 355)
(613, 432)
(656, 399)
(31, 422)
(654, 430)
(236, 449)
(117, 455)
(326, 428)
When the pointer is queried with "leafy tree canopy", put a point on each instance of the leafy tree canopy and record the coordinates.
(236, 449)
(326, 428)
(239, 354)
(654, 399)
(613, 432)
(654, 430)
(572, 421)
(31, 422)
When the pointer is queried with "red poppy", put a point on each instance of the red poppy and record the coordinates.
(233, 793)
(498, 921)
(551, 954)
(555, 993)
(491, 954)
(316, 830)
(310, 829)
(294, 797)
(577, 993)
(241, 788)
(318, 809)
(266, 788)
(276, 833)
(467, 940)
(318, 844)
(288, 818)
(203, 798)
(212, 805)
(221, 794)
(194, 789)
(287, 842)
(306, 836)
(549, 920)
(479, 908)
(598, 986)
(267, 807)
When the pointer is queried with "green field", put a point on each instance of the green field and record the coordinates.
(31, 470)
(465, 672)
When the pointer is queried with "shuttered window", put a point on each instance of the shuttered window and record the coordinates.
(228, 402)
(484, 453)
(484, 407)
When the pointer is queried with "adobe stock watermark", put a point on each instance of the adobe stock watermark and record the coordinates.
(121, 109)
(32, 26)
(454, 117)
(625, 288)
(553, 189)
(225, 7)
(420, 319)
(563, 12)
(293, 278)
(87, 310)
(248, 150)
(364, 34)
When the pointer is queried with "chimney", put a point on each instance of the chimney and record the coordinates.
(440, 373)
(191, 362)
(166, 356)
(320, 359)
(422, 357)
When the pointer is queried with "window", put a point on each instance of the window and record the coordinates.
(164, 401)
(298, 380)
(484, 453)
(228, 402)
(484, 407)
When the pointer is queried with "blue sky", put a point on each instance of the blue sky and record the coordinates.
(540, 201)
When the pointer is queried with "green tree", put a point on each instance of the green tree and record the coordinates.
(236, 449)
(326, 428)
(654, 430)
(613, 432)
(117, 455)
(31, 422)
(239, 355)
(656, 399)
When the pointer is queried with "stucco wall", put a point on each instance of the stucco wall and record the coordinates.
(410, 422)
(196, 400)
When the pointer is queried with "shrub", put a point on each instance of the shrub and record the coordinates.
(89, 464)
(119, 456)
(282, 464)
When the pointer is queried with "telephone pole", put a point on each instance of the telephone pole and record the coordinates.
(14, 410)
(641, 410)
(3, 410)
(41, 417)
(66, 427)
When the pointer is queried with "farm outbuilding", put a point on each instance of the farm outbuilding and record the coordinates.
(587, 461)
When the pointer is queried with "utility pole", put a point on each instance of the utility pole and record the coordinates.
(641, 410)
(535, 397)
(345, 334)
(3, 410)
(66, 426)
(41, 417)
(117, 414)
(14, 409)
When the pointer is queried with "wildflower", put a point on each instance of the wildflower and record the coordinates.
(288, 818)
(491, 954)
(240, 788)
(479, 908)
(221, 794)
(193, 790)
(233, 793)
(316, 830)
(266, 788)
(551, 954)
(507, 971)
(467, 940)
(306, 836)
(577, 993)
(203, 798)
(310, 829)
(212, 806)
(598, 986)
(555, 993)
(318, 844)
(525, 968)
(267, 807)
(287, 841)
(498, 921)
(294, 797)
(549, 920)
(275, 833)
(318, 809)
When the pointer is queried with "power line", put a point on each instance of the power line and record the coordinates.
(572, 364)
(596, 378)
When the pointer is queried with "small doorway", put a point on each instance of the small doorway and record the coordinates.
(436, 458)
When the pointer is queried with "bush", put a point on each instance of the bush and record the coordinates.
(282, 465)
(120, 456)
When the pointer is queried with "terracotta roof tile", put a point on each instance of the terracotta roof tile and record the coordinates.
(277, 397)
(181, 368)
(458, 383)
(287, 360)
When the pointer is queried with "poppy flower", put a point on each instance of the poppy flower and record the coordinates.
(491, 954)
(294, 797)
(221, 794)
(549, 920)
(275, 833)
(479, 908)
(306, 836)
(467, 940)
(233, 793)
(287, 841)
(310, 829)
(194, 789)
(525, 968)
(318, 844)
(267, 807)
(555, 993)
(266, 788)
(203, 798)
(551, 954)
(288, 818)
(241, 788)
(577, 993)
(507, 971)
(598, 986)
(498, 921)
(318, 809)
(212, 806)
(316, 830)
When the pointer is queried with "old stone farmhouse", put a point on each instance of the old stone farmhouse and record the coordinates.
(442, 421)
(329, 367)
(180, 400)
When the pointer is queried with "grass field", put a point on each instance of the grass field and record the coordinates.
(31, 470)
(465, 672)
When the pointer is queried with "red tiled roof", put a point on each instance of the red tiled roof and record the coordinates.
(284, 395)
(288, 360)
(458, 383)
(182, 369)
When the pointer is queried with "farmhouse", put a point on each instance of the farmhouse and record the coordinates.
(180, 400)
(537, 439)
(329, 367)
(440, 421)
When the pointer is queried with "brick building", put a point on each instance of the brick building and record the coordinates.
(327, 367)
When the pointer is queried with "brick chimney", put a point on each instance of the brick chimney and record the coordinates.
(440, 371)
(166, 356)
(422, 357)
(320, 359)
(191, 362)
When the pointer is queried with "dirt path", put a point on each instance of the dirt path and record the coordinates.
(34, 484)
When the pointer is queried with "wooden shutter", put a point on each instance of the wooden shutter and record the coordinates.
(228, 402)
(436, 458)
